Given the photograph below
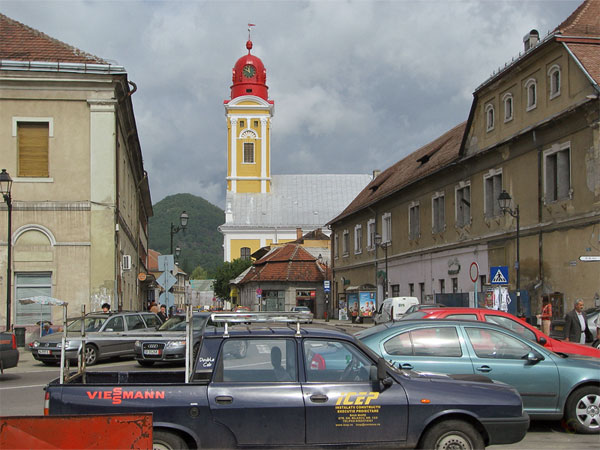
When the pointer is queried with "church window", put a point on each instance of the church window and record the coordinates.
(256, 124)
(242, 123)
(245, 253)
(248, 152)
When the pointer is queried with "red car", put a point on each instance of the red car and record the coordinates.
(508, 321)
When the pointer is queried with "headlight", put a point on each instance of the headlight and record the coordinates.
(36, 344)
(172, 344)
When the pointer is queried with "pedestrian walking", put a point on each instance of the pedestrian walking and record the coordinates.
(576, 328)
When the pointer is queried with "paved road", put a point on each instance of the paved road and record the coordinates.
(21, 393)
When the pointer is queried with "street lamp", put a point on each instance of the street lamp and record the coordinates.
(505, 200)
(384, 246)
(183, 220)
(177, 252)
(5, 187)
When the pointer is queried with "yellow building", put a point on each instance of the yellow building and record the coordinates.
(262, 209)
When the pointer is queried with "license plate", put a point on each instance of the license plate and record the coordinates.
(44, 352)
(151, 352)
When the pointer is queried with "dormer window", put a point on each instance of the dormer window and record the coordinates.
(508, 107)
(531, 89)
(554, 75)
(489, 117)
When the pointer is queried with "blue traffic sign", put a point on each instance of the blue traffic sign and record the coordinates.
(499, 275)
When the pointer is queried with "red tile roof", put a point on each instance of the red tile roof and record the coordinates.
(584, 21)
(18, 42)
(288, 263)
(419, 164)
(581, 34)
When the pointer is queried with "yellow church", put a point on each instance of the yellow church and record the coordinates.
(260, 208)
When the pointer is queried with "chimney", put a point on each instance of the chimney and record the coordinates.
(531, 39)
(298, 233)
(376, 173)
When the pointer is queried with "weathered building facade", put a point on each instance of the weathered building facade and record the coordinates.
(80, 195)
(533, 131)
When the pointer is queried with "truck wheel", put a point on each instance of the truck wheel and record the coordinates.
(583, 410)
(163, 440)
(91, 355)
(452, 434)
(145, 363)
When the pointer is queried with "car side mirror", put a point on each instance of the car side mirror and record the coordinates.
(534, 357)
(542, 340)
(379, 373)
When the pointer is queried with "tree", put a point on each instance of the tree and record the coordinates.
(199, 273)
(226, 272)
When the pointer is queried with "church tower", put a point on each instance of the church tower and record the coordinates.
(249, 113)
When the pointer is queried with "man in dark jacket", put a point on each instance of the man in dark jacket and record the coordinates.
(576, 329)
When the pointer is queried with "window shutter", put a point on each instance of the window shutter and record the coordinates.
(33, 149)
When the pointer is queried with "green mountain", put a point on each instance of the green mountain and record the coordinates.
(201, 243)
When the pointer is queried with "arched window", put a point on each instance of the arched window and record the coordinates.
(531, 88)
(489, 117)
(554, 75)
(508, 107)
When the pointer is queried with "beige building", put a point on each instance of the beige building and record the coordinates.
(533, 131)
(80, 195)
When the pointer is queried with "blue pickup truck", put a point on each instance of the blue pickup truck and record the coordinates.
(272, 385)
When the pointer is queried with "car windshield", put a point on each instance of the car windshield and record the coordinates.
(177, 323)
(91, 324)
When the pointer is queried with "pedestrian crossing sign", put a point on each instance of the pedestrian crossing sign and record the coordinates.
(499, 275)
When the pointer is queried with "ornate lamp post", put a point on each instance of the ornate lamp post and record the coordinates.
(5, 187)
(384, 246)
(183, 220)
(505, 200)
(177, 252)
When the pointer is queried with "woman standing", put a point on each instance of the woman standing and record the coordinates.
(546, 315)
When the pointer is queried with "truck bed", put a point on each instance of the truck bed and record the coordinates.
(128, 378)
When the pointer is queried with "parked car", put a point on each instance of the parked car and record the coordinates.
(9, 354)
(274, 397)
(101, 329)
(305, 311)
(168, 343)
(552, 386)
(511, 322)
(415, 308)
(393, 308)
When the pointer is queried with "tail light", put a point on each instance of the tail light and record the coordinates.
(14, 342)
(47, 404)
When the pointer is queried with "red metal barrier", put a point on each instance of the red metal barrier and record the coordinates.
(114, 431)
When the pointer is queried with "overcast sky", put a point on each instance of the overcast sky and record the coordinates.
(357, 85)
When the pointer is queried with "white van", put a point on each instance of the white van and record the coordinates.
(393, 308)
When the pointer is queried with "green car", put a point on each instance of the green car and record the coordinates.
(552, 385)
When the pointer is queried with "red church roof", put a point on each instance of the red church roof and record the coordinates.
(249, 76)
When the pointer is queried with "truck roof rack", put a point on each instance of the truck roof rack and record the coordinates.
(259, 317)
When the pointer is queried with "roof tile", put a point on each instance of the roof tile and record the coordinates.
(18, 42)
